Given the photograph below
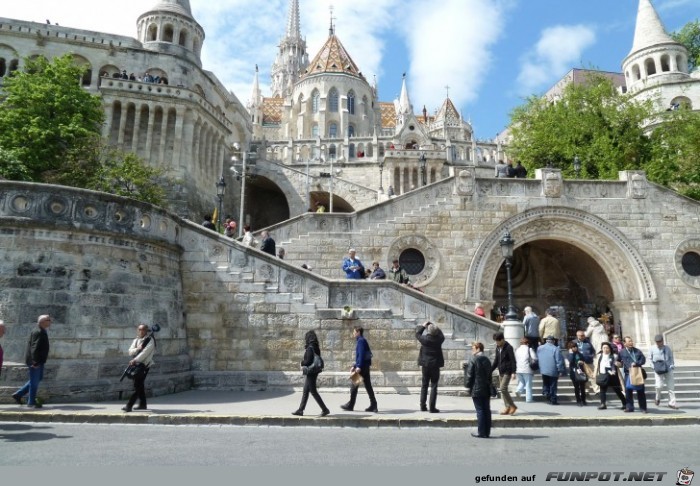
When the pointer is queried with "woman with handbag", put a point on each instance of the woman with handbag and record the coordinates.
(311, 350)
(525, 359)
(633, 360)
(608, 375)
(577, 373)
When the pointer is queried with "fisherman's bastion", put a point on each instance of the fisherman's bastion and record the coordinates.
(395, 182)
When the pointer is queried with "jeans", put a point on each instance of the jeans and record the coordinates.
(368, 386)
(503, 383)
(641, 398)
(483, 415)
(36, 374)
(525, 383)
(431, 376)
(549, 388)
(310, 388)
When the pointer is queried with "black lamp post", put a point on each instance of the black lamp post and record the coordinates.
(507, 244)
(422, 168)
(220, 191)
(381, 171)
(577, 165)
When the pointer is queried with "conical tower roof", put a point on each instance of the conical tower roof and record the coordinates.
(181, 7)
(333, 58)
(448, 114)
(649, 30)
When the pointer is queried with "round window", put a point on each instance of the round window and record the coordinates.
(690, 262)
(411, 127)
(412, 261)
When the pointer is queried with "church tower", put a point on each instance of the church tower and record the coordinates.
(169, 27)
(292, 58)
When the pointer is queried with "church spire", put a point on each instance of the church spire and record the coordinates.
(293, 22)
(404, 101)
(292, 58)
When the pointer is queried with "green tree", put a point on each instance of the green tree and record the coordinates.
(591, 120)
(689, 36)
(47, 119)
(125, 174)
(676, 152)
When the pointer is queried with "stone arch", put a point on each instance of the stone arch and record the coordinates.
(634, 292)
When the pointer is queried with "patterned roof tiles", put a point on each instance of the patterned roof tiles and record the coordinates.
(333, 58)
(272, 110)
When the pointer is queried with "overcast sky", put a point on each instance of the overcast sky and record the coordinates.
(491, 53)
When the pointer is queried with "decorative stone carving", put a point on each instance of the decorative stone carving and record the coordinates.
(637, 185)
(690, 245)
(317, 293)
(429, 251)
(265, 272)
(464, 182)
(292, 282)
(551, 182)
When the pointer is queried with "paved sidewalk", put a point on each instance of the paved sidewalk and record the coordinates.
(274, 408)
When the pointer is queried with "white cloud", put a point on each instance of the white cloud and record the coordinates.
(558, 50)
(449, 43)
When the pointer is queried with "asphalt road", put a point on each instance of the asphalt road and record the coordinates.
(611, 448)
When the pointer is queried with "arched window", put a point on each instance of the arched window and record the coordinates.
(665, 63)
(183, 38)
(351, 103)
(650, 67)
(152, 32)
(331, 152)
(351, 150)
(168, 33)
(314, 130)
(333, 100)
(365, 108)
(315, 101)
(3, 67)
(636, 73)
(351, 131)
(333, 130)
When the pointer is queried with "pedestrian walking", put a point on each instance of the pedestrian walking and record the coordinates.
(430, 359)
(524, 357)
(632, 357)
(577, 373)
(36, 354)
(505, 364)
(142, 349)
(661, 358)
(311, 349)
(363, 362)
(551, 367)
(608, 375)
(479, 387)
(531, 328)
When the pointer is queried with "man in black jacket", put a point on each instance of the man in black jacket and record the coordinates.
(505, 363)
(479, 387)
(431, 360)
(268, 244)
(36, 355)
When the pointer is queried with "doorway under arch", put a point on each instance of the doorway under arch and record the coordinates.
(265, 203)
(340, 205)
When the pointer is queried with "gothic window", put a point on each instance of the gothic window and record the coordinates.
(333, 130)
(351, 131)
(333, 100)
(351, 103)
(315, 101)
(314, 130)
(364, 105)
(351, 150)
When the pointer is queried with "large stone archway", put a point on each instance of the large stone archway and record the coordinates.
(635, 298)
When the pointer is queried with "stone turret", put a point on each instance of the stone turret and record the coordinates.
(292, 58)
(169, 28)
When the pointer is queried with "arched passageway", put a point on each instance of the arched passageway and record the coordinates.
(340, 205)
(266, 204)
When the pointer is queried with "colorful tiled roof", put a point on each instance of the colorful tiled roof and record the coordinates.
(332, 58)
(448, 114)
(272, 111)
(388, 114)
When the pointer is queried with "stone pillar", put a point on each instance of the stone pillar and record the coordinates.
(513, 332)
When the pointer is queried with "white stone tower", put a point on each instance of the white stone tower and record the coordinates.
(292, 58)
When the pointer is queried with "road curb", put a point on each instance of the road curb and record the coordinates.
(349, 421)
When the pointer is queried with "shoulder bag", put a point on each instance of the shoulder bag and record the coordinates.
(533, 363)
(602, 379)
(580, 375)
(315, 367)
(660, 367)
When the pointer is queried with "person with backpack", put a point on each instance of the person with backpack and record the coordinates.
(311, 366)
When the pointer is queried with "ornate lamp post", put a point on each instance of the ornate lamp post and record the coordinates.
(220, 191)
(507, 244)
(422, 162)
(577, 165)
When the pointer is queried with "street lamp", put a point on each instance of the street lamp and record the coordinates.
(507, 244)
(422, 167)
(577, 165)
(381, 170)
(220, 191)
(242, 177)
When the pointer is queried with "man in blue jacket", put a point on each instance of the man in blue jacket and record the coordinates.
(352, 266)
(552, 367)
(363, 362)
